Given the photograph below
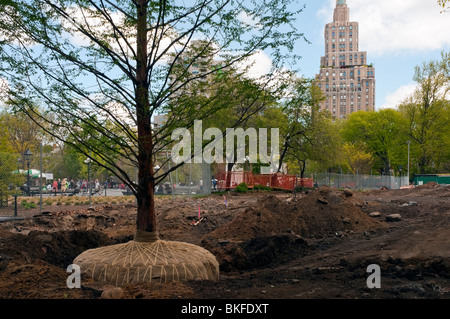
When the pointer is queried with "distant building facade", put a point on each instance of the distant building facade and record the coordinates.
(195, 65)
(346, 78)
(159, 120)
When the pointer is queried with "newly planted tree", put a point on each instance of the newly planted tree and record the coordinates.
(102, 69)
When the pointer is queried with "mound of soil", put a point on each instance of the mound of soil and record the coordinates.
(57, 248)
(38, 259)
(275, 229)
(41, 280)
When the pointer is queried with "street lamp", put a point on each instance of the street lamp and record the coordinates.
(155, 169)
(409, 145)
(89, 161)
(28, 156)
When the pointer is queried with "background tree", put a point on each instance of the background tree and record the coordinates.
(356, 159)
(380, 133)
(427, 112)
(307, 134)
(4, 141)
(325, 147)
(117, 60)
(9, 182)
(237, 100)
(19, 134)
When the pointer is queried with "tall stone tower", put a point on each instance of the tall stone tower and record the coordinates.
(346, 78)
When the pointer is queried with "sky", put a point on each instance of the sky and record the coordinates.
(397, 35)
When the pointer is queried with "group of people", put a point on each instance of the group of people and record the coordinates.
(62, 185)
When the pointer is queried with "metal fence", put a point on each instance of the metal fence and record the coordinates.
(190, 180)
(230, 180)
(21, 194)
(358, 181)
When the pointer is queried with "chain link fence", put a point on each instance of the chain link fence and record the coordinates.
(188, 180)
(23, 194)
(359, 181)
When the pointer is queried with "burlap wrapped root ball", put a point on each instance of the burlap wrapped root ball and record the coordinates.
(148, 259)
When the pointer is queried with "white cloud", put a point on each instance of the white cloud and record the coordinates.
(90, 19)
(392, 100)
(259, 64)
(248, 19)
(396, 26)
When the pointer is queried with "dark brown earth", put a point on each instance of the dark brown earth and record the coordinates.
(270, 245)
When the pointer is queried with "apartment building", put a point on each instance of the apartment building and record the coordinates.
(346, 78)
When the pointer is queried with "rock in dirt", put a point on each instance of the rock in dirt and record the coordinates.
(112, 293)
(348, 193)
(375, 214)
(394, 218)
(347, 220)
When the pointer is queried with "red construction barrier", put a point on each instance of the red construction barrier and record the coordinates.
(281, 181)
(230, 180)
(305, 182)
(262, 180)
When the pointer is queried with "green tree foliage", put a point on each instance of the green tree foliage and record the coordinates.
(238, 102)
(380, 133)
(308, 135)
(9, 182)
(356, 159)
(427, 116)
(18, 133)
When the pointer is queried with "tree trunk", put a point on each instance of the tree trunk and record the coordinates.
(283, 154)
(146, 217)
(228, 174)
(423, 164)
(303, 169)
(387, 165)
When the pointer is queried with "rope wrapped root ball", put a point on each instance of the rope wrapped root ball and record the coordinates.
(148, 259)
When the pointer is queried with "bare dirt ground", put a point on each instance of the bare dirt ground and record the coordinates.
(270, 245)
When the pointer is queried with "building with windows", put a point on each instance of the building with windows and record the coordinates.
(346, 78)
(196, 65)
(159, 120)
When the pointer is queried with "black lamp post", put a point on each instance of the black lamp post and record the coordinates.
(89, 161)
(400, 169)
(28, 157)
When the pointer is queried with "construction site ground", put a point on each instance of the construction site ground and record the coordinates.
(315, 244)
